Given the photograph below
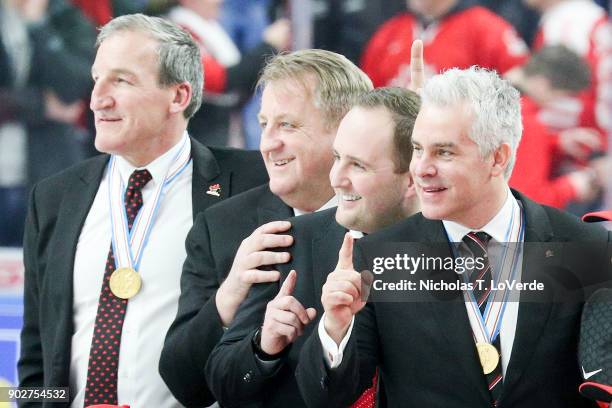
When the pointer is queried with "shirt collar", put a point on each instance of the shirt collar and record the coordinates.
(158, 167)
(356, 234)
(497, 228)
(333, 202)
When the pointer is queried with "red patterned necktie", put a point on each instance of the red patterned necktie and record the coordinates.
(101, 386)
(368, 398)
(477, 244)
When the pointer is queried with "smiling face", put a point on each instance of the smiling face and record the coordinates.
(295, 144)
(453, 181)
(371, 194)
(132, 111)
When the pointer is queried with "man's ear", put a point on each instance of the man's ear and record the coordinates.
(410, 197)
(182, 97)
(411, 189)
(501, 159)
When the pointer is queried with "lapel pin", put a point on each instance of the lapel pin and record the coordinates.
(549, 253)
(214, 190)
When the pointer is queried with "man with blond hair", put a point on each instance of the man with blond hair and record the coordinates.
(305, 95)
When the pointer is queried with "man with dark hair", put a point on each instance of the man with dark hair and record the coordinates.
(142, 197)
(563, 69)
(584, 27)
(372, 152)
(553, 73)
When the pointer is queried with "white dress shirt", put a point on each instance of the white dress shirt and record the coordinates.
(333, 202)
(149, 313)
(497, 228)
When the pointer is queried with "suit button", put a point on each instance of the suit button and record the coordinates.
(247, 377)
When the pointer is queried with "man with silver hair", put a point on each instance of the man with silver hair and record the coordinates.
(466, 346)
(78, 330)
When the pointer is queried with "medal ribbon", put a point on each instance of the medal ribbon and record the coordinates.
(489, 324)
(128, 246)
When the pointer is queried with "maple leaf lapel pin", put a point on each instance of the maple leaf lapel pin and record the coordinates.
(214, 190)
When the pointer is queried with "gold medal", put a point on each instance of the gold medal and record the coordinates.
(125, 283)
(489, 357)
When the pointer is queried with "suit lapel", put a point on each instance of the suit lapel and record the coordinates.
(209, 184)
(272, 208)
(455, 327)
(533, 314)
(451, 315)
(325, 247)
(72, 214)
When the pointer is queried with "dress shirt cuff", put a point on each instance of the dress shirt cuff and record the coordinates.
(332, 353)
(267, 367)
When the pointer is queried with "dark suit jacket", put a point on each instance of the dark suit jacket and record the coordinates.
(425, 349)
(232, 372)
(211, 246)
(58, 208)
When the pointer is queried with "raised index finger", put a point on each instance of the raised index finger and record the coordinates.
(288, 285)
(417, 66)
(345, 255)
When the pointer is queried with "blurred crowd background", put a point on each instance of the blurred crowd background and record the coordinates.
(556, 52)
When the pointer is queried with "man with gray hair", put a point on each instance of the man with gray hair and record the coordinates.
(305, 95)
(462, 342)
(141, 196)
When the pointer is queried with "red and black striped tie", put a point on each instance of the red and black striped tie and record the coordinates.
(477, 244)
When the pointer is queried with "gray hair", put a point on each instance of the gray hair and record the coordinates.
(338, 81)
(494, 104)
(178, 55)
(403, 106)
